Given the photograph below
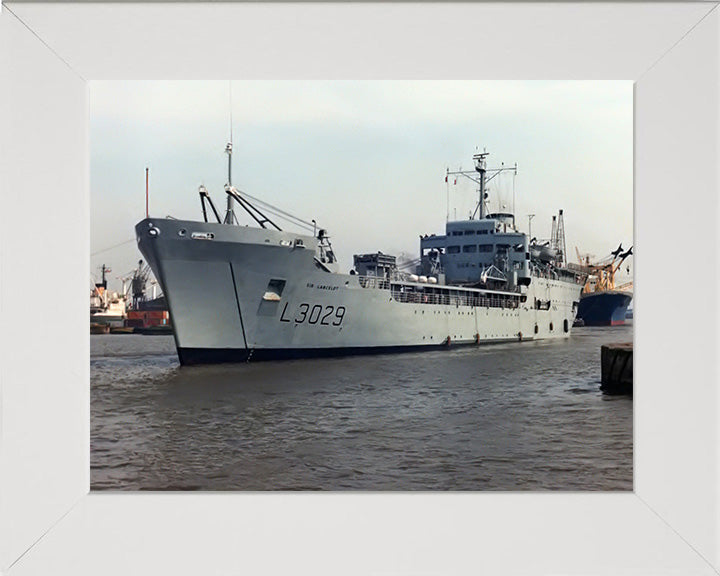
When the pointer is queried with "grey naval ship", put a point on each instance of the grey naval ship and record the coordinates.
(240, 293)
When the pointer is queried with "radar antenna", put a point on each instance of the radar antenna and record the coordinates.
(482, 180)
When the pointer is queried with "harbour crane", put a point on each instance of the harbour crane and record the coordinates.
(139, 281)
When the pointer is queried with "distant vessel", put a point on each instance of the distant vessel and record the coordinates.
(607, 308)
(601, 302)
(240, 293)
(149, 315)
(106, 308)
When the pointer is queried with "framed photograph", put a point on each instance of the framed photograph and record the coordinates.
(49, 519)
(348, 314)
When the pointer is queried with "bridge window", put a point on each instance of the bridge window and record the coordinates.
(468, 232)
(453, 249)
(470, 248)
(485, 248)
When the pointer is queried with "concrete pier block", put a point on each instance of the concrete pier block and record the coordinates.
(616, 362)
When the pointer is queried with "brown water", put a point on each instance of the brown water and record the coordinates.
(518, 416)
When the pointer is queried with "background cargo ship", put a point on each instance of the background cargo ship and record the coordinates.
(240, 293)
(107, 309)
(147, 315)
(601, 302)
(130, 311)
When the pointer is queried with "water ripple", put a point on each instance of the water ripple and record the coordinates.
(505, 417)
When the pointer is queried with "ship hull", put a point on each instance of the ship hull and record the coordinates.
(604, 308)
(191, 356)
(240, 294)
(107, 318)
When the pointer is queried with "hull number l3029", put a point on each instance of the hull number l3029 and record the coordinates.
(317, 314)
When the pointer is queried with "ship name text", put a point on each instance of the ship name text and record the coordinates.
(322, 287)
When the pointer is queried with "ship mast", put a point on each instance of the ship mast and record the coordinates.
(229, 213)
(101, 287)
(481, 168)
(560, 233)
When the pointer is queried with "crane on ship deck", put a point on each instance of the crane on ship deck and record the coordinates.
(601, 274)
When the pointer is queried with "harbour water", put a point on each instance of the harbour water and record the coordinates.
(516, 416)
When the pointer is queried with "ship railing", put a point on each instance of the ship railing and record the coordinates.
(548, 273)
(374, 282)
(469, 300)
(440, 296)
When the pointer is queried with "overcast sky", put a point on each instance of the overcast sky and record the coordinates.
(366, 160)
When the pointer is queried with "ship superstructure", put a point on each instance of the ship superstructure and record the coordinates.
(239, 293)
(106, 307)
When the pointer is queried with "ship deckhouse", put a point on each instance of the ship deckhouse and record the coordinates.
(484, 250)
(475, 251)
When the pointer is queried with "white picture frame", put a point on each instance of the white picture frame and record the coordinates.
(50, 523)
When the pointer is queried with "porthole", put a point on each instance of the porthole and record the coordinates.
(182, 232)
